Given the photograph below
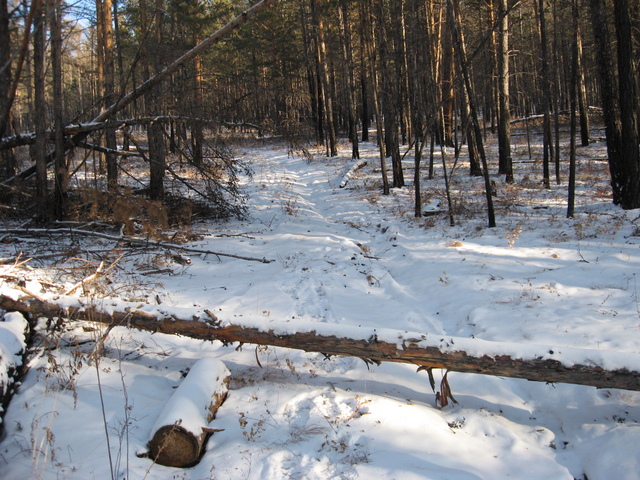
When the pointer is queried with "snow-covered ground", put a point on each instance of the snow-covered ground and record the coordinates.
(349, 256)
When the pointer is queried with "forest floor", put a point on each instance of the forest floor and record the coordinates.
(354, 257)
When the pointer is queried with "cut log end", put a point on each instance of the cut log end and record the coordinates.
(173, 446)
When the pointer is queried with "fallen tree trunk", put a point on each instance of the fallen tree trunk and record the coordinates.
(554, 364)
(14, 331)
(179, 434)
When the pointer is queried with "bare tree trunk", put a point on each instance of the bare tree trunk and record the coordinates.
(504, 116)
(332, 148)
(575, 73)
(388, 98)
(5, 84)
(155, 131)
(630, 146)
(623, 166)
(582, 90)
(546, 97)
(375, 78)
(61, 172)
(458, 41)
(313, 78)
(107, 67)
(197, 134)
(347, 64)
(39, 151)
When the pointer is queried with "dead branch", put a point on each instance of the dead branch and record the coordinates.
(602, 369)
(131, 240)
(100, 271)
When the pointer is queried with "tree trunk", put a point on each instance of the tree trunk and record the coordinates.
(458, 41)
(609, 97)
(60, 165)
(155, 131)
(106, 46)
(546, 97)
(347, 64)
(370, 42)
(180, 432)
(327, 98)
(388, 98)
(504, 116)
(542, 363)
(5, 60)
(630, 146)
(5, 86)
(197, 134)
(39, 151)
(582, 90)
(575, 73)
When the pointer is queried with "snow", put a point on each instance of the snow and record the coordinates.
(348, 261)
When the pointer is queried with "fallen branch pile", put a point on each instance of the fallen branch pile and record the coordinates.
(144, 242)
(603, 369)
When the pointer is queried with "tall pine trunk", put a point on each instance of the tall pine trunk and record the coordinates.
(504, 116)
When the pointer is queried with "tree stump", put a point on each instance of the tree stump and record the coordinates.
(179, 434)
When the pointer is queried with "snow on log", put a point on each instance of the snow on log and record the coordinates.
(13, 332)
(356, 166)
(542, 363)
(179, 434)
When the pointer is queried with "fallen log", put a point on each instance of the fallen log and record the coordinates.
(354, 168)
(179, 434)
(14, 330)
(542, 363)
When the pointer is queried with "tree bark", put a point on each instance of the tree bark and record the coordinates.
(542, 363)
(323, 72)
(573, 94)
(458, 41)
(504, 116)
(582, 89)
(347, 65)
(609, 97)
(371, 49)
(630, 140)
(60, 164)
(39, 150)
(109, 89)
(546, 97)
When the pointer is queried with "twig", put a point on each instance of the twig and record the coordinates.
(99, 271)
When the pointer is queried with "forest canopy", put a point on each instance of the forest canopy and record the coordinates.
(75, 90)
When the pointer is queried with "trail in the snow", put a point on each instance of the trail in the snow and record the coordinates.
(335, 257)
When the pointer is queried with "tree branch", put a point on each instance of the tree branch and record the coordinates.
(133, 240)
